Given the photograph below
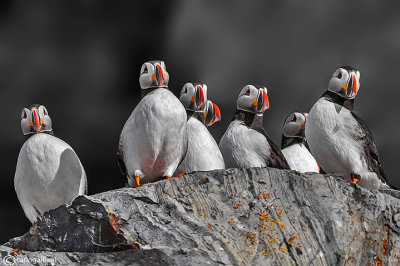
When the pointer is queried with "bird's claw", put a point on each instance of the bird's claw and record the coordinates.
(355, 178)
(137, 181)
(181, 174)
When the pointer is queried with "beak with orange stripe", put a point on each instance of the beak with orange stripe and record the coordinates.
(153, 74)
(345, 82)
(35, 119)
(253, 100)
(212, 112)
(193, 96)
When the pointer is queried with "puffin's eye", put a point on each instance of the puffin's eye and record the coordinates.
(339, 76)
(44, 111)
(145, 70)
(247, 92)
(294, 119)
(23, 115)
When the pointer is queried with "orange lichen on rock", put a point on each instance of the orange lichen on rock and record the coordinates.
(279, 211)
(252, 237)
(133, 245)
(378, 261)
(264, 216)
(385, 240)
(210, 226)
(114, 221)
(238, 205)
(280, 224)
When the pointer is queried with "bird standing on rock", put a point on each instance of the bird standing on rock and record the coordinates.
(48, 172)
(153, 141)
(203, 153)
(294, 146)
(245, 142)
(338, 139)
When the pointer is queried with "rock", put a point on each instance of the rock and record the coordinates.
(234, 216)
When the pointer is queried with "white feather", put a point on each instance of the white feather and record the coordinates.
(243, 147)
(300, 159)
(203, 153)
(154, 138)
(48, 174)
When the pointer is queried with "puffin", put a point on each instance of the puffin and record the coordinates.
(294, 146)
(338, 139)
(48, 172)
(154, 140)
(203, 153)
(245, 143)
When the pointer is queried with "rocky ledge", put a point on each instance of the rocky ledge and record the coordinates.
(230, 217)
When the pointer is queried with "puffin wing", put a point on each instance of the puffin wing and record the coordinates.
(364, 135)
(121, 163)
(276, 158)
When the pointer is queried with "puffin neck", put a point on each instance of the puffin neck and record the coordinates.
(144, 92)
(198, 115)
(289, 141)
(247, 117)
(45, 132)
(335, 98)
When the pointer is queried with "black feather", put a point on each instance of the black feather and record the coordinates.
(370, 153)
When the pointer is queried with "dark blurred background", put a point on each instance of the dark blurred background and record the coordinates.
(81, 59)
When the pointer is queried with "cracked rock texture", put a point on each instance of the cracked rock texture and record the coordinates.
(257, 216)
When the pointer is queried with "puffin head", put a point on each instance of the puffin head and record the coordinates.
(35, 119)
(193, 96)
(212, 113)
(153, 74)
(345, 82)
(253, 100)
(294, 125)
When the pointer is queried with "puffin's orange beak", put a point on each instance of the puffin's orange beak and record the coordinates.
(217, 114)
(354, 86)
(264, 100)
(36, 118)
(200, 96)
(160, 75)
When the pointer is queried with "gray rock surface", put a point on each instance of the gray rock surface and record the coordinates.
(258, 216)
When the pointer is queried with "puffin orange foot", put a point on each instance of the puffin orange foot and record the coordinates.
(181, 174)
(355, 178)
(15, 251)
(137, 181)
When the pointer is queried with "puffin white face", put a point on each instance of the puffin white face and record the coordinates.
(294, 125)
(212, 113)
(35, 119)
(253, 100)
(153, 74)
(345, 82)
(193, 96)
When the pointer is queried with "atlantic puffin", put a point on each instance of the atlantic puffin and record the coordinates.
(294, 146)
(153, 141)
(338, 139)
(245, 143)
(48, 172)
(203, 153)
